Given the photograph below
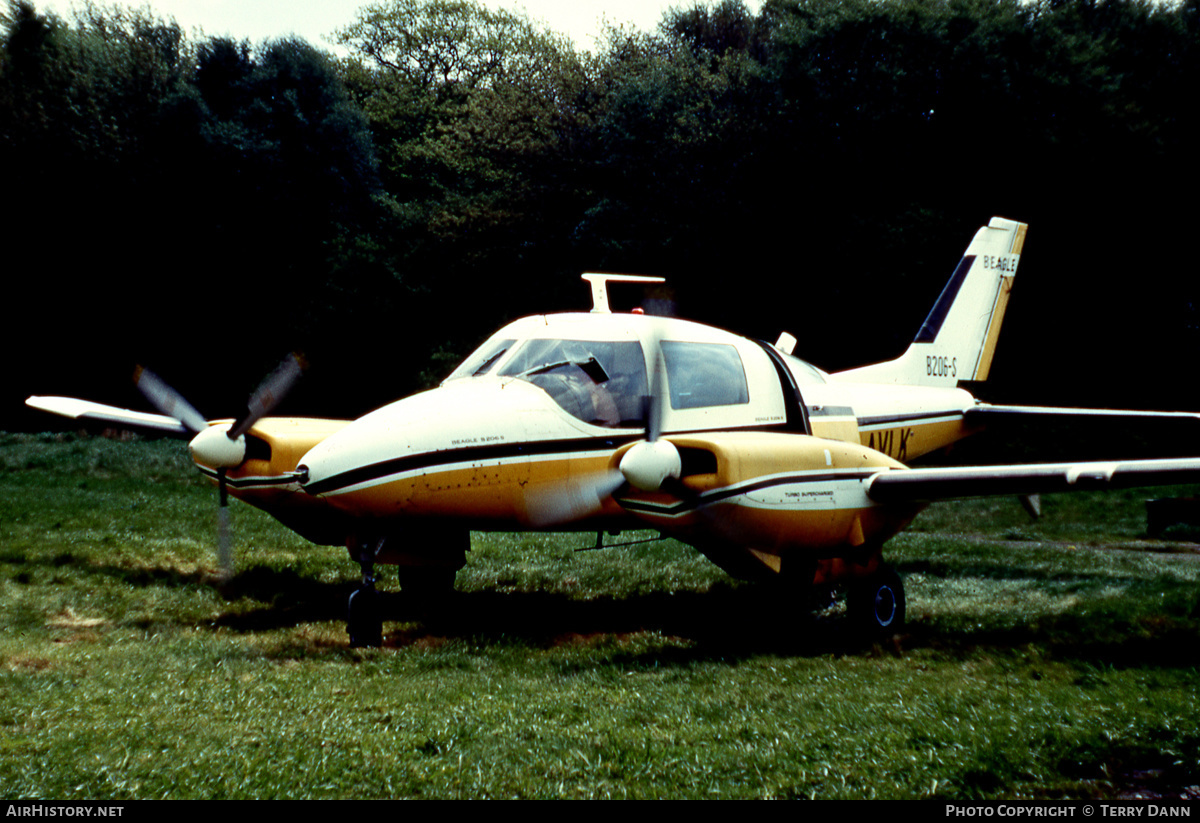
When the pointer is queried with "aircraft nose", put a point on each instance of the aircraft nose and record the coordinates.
(441, 430)
(370, 448)
(318, 468)
(309, 479)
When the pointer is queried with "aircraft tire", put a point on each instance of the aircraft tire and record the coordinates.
(876, 605)
(363, 622)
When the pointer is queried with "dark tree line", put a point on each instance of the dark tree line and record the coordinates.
(205, 206)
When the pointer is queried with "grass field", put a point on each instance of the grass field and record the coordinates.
(1042, 660)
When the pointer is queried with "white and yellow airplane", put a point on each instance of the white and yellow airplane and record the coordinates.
(607, 421)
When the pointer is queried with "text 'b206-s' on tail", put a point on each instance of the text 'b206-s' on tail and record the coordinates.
(602, 421)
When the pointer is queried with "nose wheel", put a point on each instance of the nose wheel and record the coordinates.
(424, 588)
(363, 623)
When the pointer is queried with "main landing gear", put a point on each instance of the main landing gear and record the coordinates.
(875, 604)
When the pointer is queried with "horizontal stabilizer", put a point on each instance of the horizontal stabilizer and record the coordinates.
(99, 413)
(912, 485)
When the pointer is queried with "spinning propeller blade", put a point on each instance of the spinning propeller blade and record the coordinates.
(168, 401)
(654, 399)
(576, 498)
(208, 440)
(269, 393)
(652, 462)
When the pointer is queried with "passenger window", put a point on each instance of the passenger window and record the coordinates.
(700, 375)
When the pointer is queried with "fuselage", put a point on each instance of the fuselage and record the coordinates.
(514, 438)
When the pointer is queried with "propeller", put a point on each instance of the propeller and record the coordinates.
(222, 447)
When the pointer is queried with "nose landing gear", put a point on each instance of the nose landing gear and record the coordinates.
(364, 623)
(426, 577)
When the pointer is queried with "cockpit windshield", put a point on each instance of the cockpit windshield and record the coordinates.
(598, 382)
(482, 359)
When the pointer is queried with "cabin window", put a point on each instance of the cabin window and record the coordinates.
(805, 374)
(599, 382)
(700, 375)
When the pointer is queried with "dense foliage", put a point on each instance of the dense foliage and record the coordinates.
(205, 205)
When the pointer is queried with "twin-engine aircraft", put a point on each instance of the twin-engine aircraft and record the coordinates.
(604, 421)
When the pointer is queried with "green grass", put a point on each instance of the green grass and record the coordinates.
(1042, 660)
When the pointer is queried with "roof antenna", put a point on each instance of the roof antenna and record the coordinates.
(600, 287)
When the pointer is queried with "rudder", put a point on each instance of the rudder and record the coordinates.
(958, 338)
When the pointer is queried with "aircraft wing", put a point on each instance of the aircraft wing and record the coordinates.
(985, 413)
(98, 412)
(902, 485)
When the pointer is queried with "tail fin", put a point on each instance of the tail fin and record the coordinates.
(958, 338)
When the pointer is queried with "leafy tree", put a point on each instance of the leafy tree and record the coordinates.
(281, 122)
(80, 102)
(729, 26)
(31, 74)
(672, 170)
(286, 190)
(439, 45)
(177, 196)
(457, 90)
(78, 141)
(475, 112)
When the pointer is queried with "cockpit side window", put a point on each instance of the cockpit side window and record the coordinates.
(598, 382)
(482, 359)
(700, 375)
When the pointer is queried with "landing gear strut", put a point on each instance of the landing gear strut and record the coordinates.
(363, 621)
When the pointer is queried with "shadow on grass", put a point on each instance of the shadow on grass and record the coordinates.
(724, 622)
(727, 621)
